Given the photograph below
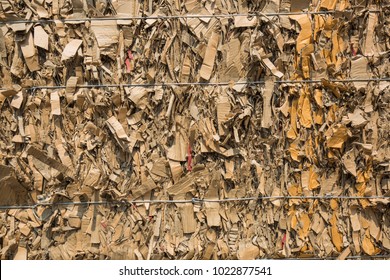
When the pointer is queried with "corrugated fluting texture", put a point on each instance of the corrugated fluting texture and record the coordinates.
(179, 142)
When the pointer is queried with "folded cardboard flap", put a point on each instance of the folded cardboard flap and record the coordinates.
(125, 142)
(359, 70)
(71, 49)
(30, 53)
(106, 33)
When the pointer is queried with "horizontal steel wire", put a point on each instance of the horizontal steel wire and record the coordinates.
(255, 14)
(211, 83)
(193, 200)
(331, 258)
(368, 257)
(290, 197)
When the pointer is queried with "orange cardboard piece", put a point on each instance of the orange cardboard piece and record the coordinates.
(339, 136)
(336, 235)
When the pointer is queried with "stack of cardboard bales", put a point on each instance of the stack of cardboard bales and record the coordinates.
(200, 129)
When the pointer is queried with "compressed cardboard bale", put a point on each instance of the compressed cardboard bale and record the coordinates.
(252, 152)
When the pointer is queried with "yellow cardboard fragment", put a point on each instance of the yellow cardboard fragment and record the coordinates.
(367, 244)
(304, 37)
(338, 137)
(337, 238)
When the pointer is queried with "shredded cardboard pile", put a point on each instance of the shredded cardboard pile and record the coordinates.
(194, 141)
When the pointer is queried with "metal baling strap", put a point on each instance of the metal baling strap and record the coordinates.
(193, 200)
